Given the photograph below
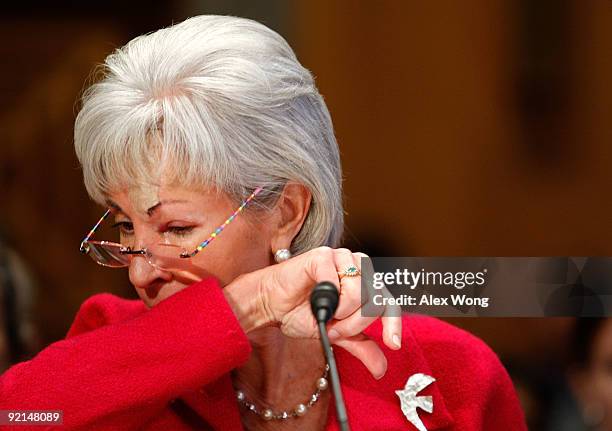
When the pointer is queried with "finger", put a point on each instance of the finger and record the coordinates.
(357, 323)
(353, 325)
(391, 319)
(358, 256)
(350, 287)
(392, 332)
(363, 261)
(321, 265)
(368, 352)
(392, 323)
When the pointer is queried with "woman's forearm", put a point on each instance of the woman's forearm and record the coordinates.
(132, 368)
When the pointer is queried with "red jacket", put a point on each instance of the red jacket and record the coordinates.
(121, 364)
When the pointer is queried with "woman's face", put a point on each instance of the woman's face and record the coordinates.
(186, 217)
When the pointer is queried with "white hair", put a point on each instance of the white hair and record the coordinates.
(231, 107)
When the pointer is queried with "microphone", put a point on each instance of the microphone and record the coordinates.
(323, 303)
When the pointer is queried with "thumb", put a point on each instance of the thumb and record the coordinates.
(367, 351)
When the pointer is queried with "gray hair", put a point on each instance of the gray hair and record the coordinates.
(231, 107)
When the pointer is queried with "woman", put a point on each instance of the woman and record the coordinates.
(210, 135)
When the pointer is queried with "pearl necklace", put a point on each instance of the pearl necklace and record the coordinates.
(299, 410)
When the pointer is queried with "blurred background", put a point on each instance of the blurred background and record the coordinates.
(473, 128)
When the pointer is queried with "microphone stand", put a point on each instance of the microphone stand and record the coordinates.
(323, 302)
(335, 378)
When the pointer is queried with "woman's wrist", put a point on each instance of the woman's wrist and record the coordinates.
(245, 296)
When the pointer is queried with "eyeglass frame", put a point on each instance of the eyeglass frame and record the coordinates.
(84, 247)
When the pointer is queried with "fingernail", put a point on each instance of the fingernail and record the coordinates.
(383, 373)
(333, 335)
(397, 341)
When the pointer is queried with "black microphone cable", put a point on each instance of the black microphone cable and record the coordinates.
(323, 302)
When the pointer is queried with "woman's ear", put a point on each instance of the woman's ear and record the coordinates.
(291, 211)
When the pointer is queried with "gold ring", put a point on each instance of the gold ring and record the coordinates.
(351, 271)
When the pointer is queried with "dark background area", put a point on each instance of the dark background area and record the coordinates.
(474, 128)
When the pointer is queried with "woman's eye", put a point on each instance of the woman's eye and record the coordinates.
(125, 227)
(180, 230)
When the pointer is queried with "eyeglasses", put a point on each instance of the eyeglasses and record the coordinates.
(163, 256)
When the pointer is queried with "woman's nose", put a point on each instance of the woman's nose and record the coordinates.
(143, 274)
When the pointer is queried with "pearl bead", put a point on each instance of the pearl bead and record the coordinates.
(300, 410)
(322, 383)
(282, 255)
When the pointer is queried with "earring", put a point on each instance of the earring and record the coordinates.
(282, 255)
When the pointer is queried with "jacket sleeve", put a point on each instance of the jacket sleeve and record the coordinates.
(124, 372)
(502, 409)
(477, 389)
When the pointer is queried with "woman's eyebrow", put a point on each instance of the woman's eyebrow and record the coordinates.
(113, 205)
(151, 210)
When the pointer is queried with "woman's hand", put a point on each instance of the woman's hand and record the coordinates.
(280, 295)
